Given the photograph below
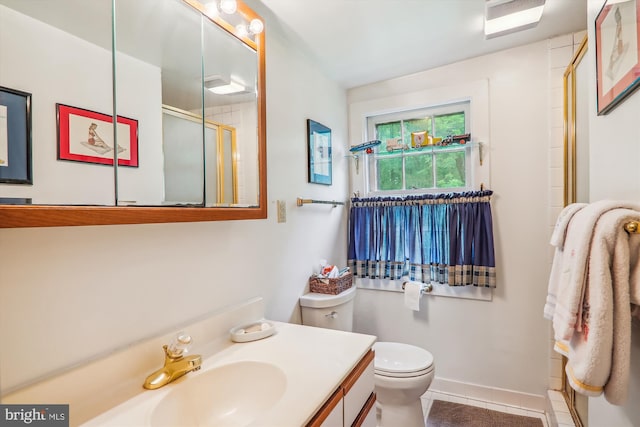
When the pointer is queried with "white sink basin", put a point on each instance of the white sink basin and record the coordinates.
(231, 395)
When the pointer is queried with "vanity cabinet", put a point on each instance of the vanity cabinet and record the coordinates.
(352, 404)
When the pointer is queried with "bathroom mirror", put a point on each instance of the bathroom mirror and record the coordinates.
(184, 152)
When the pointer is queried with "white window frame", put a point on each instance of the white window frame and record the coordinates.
(476, 92)
(371, 165)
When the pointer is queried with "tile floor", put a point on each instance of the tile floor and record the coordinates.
(429, 396)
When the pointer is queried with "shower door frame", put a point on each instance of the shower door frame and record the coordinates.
(577, 403)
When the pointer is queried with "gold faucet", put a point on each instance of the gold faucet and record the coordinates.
(175, 364)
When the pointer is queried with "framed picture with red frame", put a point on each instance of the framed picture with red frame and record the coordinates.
(87, 136)
(617, 52)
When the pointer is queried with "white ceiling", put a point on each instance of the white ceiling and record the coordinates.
(365, 41)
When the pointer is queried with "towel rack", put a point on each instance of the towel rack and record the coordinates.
(632, 227)
(300, 201)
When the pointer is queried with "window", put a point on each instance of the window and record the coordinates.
(399, 165)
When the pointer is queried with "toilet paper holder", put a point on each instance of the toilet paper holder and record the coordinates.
(424, 287)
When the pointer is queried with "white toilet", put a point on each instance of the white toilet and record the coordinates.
(403, 372)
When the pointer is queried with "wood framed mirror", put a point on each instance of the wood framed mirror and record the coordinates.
(139, 44)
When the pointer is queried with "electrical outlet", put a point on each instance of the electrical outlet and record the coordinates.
(282, 210)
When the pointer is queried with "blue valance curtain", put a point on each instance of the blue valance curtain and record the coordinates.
(441, 238)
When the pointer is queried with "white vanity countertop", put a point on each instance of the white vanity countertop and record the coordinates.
(314, 360)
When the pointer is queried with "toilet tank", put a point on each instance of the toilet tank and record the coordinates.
(328, 311)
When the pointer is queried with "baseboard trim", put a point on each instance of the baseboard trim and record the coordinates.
(532, 402)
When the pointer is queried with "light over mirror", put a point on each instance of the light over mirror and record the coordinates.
(187, 94)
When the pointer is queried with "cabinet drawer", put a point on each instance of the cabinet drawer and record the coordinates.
(350, 405)
(334, 419)
(331, 413)
(358, 387)
(367, 417)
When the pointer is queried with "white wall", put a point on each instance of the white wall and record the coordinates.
(614, 174)
(503, 343)
(71, 293)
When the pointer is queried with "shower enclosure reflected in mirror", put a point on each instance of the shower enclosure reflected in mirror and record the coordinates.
(194, 86)
(184, 181)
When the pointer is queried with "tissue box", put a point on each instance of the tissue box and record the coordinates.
(330, 286)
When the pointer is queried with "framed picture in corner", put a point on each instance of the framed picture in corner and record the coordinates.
(617, 52)
(15, 137)
(319, 152)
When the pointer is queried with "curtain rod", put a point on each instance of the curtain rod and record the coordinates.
(300, 201)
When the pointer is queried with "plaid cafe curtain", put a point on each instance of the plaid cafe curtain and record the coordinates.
(441, 238)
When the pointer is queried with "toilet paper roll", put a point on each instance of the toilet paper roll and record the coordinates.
(412, 292)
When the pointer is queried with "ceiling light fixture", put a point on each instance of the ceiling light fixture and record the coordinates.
(508, 16)
(228, 89)
(221, 86)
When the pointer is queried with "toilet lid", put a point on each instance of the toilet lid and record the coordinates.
(397, 358)
(316, 300)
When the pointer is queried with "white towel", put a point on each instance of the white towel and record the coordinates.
(557, 239)
(567, 316)
(560, 230)
(599, 354)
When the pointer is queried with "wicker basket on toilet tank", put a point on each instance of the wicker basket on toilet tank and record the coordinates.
(330, 286)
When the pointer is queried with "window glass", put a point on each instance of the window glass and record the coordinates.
(449, 124)
(419, 172)
(450, 169)
(387, 131)
(390, 173)
(430, 162)
(415, 125)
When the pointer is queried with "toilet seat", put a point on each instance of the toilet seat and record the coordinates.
(400, 360)
(404, 374)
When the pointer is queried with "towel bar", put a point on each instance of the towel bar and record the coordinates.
(300, 201)
(632, 227)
